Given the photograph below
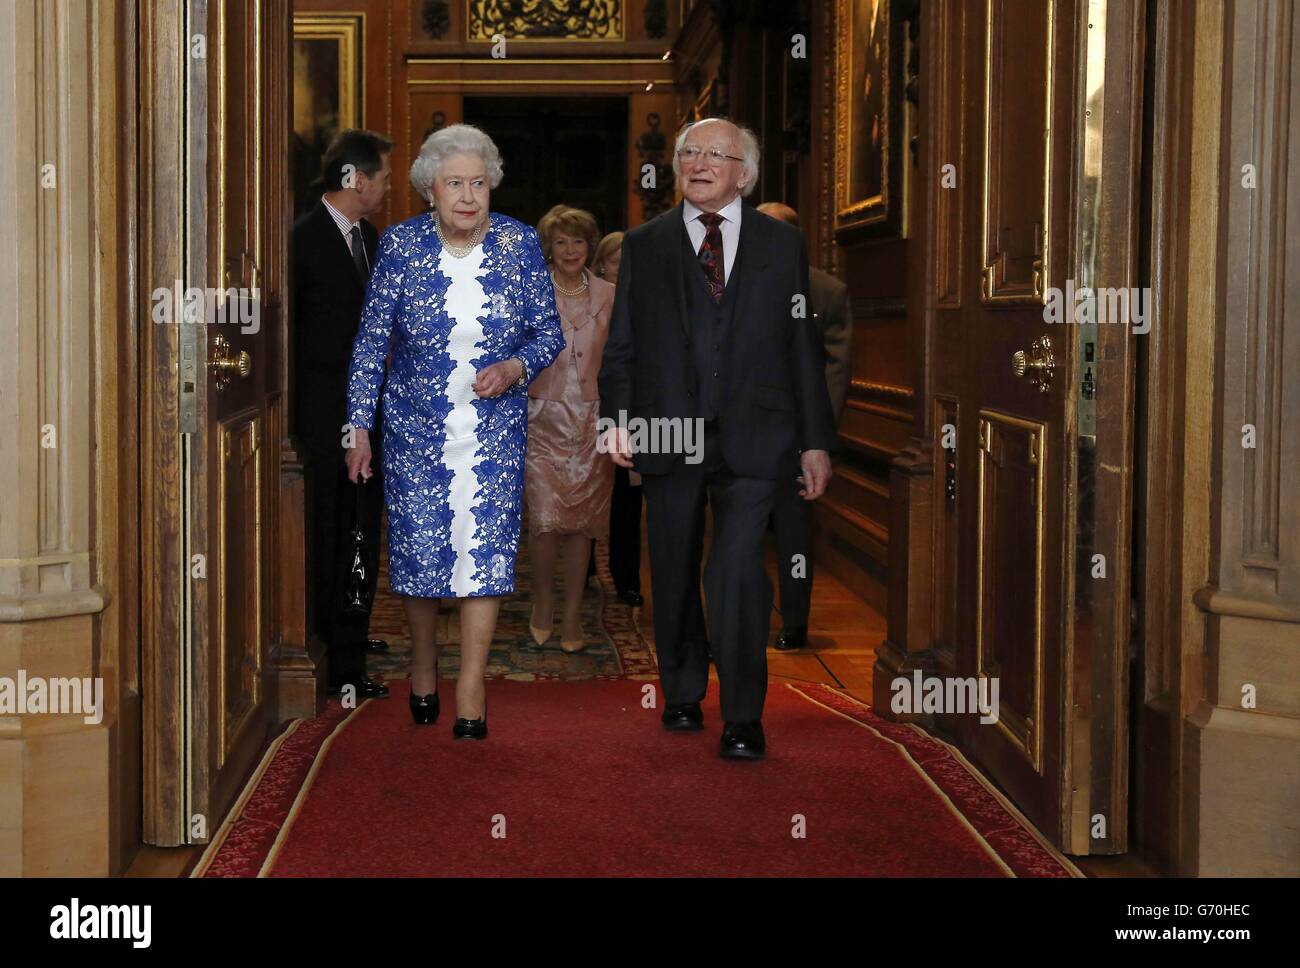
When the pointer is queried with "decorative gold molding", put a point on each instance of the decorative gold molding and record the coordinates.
(349, 29)
(826, 197)
(479, 30)
(990, 291)
(885, 391)
(1030, 744)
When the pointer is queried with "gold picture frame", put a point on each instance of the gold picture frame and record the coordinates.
(869, 118)
(328, 91)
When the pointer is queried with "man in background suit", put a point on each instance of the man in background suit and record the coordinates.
(333, 252)
(792, 516)
(710, 328)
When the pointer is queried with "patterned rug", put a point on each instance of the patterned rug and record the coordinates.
(615, 649)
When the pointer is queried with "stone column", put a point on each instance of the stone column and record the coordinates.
(1243, 742)
(55, 792)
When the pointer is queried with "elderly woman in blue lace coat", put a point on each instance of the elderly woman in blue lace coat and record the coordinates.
(462, 298)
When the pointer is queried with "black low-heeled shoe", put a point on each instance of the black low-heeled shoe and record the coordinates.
(471, 728)
(425, 709)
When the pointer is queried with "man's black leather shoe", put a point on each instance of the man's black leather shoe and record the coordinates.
(743, 741)
(376, 646)
(628, 597)
(685, 717)
(791, 639)
(367, 688)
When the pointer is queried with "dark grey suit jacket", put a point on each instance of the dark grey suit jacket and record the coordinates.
(830, 300)
(775, 401)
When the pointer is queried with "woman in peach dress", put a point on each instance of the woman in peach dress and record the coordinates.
(567, 483)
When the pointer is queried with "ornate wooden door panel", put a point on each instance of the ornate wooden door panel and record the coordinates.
(1015, 525)
(236, 468)
(1009, 571)
(214, 127)
(1012, 471)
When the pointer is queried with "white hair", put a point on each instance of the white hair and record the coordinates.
(749, 151)
(455, 139)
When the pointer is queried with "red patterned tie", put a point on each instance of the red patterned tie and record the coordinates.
(711, 258)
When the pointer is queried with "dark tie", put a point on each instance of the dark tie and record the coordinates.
(711, 258)
(359, 254)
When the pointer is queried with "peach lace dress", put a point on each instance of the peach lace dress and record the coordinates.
(567, 482)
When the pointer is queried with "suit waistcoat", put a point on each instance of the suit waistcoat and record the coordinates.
(710, 326)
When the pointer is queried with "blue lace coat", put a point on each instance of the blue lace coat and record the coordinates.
(431, 551)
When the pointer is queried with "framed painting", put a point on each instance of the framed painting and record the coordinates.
(869, 135)
(328, 93)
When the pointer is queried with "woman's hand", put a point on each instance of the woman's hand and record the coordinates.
(618, 444)
(358, 456)
(494, 380)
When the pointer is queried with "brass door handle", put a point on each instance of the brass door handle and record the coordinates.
(224, 366)
(1039, 364)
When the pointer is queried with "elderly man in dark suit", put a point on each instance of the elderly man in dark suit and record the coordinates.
(711, 325)
(333, 251)
(792, 516)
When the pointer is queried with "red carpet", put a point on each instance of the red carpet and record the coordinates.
(589, 784)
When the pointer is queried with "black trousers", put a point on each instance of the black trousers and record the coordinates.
(792, 520)
(735, 582)
(625, 533)
(331, 501)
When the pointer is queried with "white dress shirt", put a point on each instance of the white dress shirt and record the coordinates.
(730, 228)
(346, 228)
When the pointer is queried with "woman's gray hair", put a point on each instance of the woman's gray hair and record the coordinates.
(749, 152)
(455, 139)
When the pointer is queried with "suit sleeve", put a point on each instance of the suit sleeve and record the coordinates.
(808, 363)
(616, 364)
(383, 299)
(838, 337)
(543, 337)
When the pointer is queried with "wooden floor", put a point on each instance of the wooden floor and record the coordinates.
(843, 632)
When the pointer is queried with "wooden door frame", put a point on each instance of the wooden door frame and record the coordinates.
(162, 56)
(1095, 778)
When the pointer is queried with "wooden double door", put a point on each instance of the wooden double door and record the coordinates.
(214, 228)
(1031, 133)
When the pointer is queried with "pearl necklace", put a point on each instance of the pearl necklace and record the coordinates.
(459, 251)
(570, 292)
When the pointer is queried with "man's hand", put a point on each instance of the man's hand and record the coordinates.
(816, 466)
(617, 443)
(358, 457)
(494, 380)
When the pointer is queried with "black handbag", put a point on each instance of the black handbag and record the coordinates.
(357, 590)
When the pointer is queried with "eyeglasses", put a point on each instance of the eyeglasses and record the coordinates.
(714, 156)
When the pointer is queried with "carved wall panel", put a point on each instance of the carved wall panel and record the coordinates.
(945, 526)
(1009, 593)
(1018, 94)
(242, 629)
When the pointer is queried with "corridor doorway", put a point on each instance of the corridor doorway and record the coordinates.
(558, 149)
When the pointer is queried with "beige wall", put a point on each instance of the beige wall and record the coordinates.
(60, 809)
(1241, 745)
